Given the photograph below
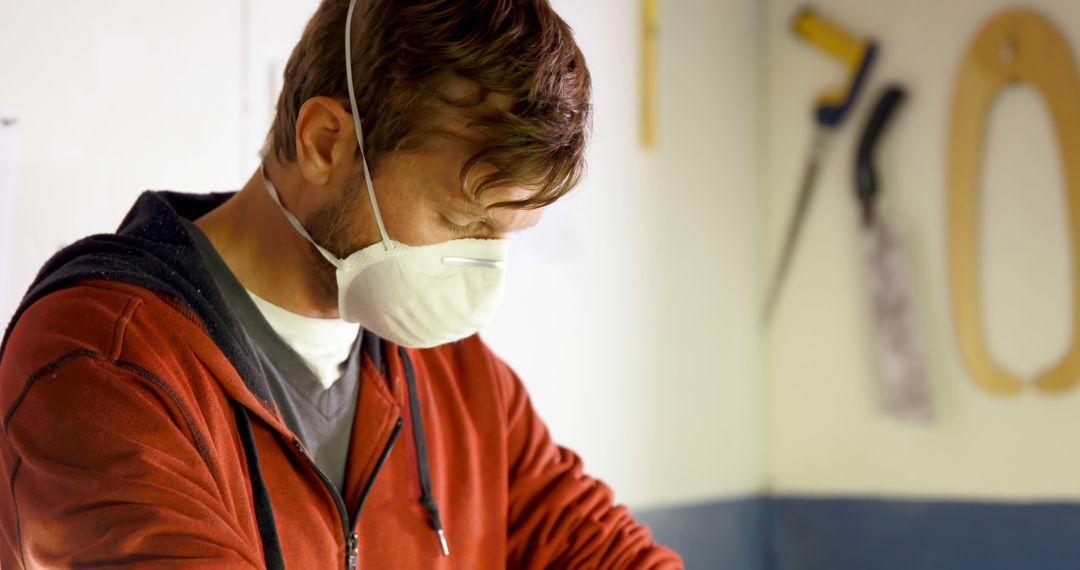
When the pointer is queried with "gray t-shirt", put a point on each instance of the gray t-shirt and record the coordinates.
(321, 417)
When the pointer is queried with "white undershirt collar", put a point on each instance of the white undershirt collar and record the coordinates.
(323, 344)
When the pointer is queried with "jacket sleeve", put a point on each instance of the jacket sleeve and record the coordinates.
(559, 516)
(103, 468)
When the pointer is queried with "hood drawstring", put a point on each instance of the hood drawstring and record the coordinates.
(264, 511)
(426, 498)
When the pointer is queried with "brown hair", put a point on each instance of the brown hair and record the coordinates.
(407, 53)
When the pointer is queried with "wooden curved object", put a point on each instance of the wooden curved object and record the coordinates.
(1016, 46)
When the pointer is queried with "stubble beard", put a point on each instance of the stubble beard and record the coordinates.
(330, 228)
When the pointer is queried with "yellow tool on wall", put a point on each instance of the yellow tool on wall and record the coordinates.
(856, 54)
(650, 20)
(830, 111)
(1016, 46)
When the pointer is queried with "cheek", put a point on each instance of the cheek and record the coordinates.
(413, 195)
(413, 220)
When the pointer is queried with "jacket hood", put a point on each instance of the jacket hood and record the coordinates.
(152, 249)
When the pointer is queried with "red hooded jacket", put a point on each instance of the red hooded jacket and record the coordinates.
(139, 432)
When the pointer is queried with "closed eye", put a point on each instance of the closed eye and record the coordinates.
(460, 230)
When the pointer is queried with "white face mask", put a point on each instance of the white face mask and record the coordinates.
(415, 296)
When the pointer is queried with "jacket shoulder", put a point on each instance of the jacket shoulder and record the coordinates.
(93, 317)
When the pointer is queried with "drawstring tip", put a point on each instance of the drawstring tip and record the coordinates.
(442, 541)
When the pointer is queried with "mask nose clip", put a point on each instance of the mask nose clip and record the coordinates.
(473, 262)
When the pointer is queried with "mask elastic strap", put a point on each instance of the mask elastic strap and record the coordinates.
(359, 129)
(295, 222)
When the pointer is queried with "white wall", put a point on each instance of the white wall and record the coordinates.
(825, 434)
(113, 97)
(630, 312)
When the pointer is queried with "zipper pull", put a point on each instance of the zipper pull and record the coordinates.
(353, 552)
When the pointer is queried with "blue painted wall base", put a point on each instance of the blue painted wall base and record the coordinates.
(718, 534)
(804, 533)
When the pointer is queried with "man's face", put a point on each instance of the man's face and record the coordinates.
(421, 197)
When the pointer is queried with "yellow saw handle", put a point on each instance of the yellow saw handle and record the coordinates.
(856, 54)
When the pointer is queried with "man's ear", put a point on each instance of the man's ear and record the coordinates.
(325, 141)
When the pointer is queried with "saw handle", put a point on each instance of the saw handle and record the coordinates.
(866, 179)
(856, 54)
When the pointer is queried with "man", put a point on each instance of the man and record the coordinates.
(289, 376)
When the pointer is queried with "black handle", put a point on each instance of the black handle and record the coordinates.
(866, 179)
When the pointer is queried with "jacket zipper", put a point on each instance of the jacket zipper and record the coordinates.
(352, 547)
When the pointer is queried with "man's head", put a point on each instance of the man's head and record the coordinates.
(475, 115)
